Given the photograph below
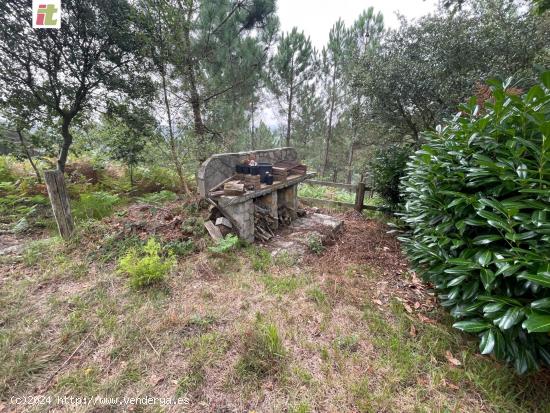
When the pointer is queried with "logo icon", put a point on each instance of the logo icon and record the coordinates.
(46, 14)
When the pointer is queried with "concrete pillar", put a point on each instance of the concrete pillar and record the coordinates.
(269, 201)
(242, 214)
(289, 198)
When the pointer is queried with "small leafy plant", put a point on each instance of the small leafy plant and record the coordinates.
(478, 204)
(158, 197)
(95, 205)
(315, 244)
(223, 245)
(146, 267)
(179, 248)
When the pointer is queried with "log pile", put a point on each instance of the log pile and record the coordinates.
(299, 170)
(264, 223)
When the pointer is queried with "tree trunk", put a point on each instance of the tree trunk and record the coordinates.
(131, 173)
(29, 157)
(252, 126)
(350, 161)
(173, 150)
(59, 198)
(289, 116)
(67, 141)
(331, 114)
(195, 101)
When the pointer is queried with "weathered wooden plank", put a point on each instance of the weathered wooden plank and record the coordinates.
(360, 196)
(213, 230)
(332, 204)
(59, 198)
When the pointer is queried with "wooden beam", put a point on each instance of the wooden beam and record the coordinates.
(59, 198)
(338, 204)
(360, 196)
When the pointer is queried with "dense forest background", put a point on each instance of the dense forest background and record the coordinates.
(171, 82)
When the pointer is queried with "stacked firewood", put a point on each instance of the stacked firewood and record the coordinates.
(299, 170)
(264, 223)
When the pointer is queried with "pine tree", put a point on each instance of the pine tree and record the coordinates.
(332, 72)
(291, 71)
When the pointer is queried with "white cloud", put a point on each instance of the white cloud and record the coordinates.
(316, 17)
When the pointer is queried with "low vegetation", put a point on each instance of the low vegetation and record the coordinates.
(146, 267)
(476, 202)
(263, 350)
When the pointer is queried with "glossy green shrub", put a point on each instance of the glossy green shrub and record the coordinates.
(478, 207)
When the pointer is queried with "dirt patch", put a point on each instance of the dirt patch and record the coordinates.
(168, 222)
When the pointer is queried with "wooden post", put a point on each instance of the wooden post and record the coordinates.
(59, 198)
(359, 196)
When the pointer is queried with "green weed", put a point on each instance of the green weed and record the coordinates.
(281, 285)
(315, 244)
(261, 258)
(95, 205)
(230, 242)
(158, 197)
(146, 267)
(264, 351)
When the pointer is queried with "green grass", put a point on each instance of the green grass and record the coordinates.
(203, 350)
(260, 258)
(318, 296)
(280, 285)
(264, 352)
(322, 192)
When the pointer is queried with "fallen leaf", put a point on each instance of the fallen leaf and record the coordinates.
(416, 305)
(450, 385)
(425, 319)
(377, 302)
(408, 308)
(423, 380)
(451, 359)
(155, 379)
(412, 331)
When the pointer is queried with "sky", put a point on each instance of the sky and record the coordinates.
(316, 17)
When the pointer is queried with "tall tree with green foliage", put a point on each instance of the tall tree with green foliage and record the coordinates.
(332, 72)
(291, 70)
(67, 73)
(365, 36)
(218, 49)
(426, 68)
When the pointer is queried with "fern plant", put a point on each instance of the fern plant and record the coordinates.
(146, 266)
(230, 242)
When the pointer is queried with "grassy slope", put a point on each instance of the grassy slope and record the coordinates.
(342, 352)
(239, 330)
